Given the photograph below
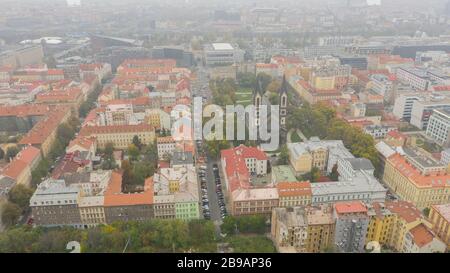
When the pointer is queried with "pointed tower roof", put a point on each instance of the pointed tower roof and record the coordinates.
(284, 86)
(258, 88)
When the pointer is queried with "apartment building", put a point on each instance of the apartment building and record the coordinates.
(222, 54)
(116, 114)
(417, 178)
(165, 146)
(403, 105)
(321, 227)
(121, 206)
(56, 204)
(289, 229)
(43, 133)
(422, 110)
(314, 95)
(241, 165)
(292, 194)
(439, 217)
(322, 154)
(378, 131)
(352, 221)
(119, 135)
(176, 190)
(421, 239)
(438, 126)
(416, 78)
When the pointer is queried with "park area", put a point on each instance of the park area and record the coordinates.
(244, 96)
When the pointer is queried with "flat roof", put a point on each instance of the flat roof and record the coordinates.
(222, 46)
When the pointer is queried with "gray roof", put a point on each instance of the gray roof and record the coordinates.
(5, 184)
(361, 164)
(181, 158)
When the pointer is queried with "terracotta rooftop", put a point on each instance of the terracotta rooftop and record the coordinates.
(14, 169)
(421, 235)
(28, 154)
(415, 176)
(294, 189)
(350, 207)
(404, 210)
(45, 127)
(115, 197)
(84, 142)
(115, 129)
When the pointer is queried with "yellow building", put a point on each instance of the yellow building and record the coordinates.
(293, 194)
(301, 163)
(440, 222)
(391, 221)
(289, 229)
(119, 135)
(380, 224)
(92, 212)
(422, 187)
(174, 186)
(305, 156)
(324, 83)
(321, 227)
(319, 158)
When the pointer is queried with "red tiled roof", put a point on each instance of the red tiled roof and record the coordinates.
(28, 154)
(350, 207)
(236, 168)
(294, 189)
(14, 169)
(84, 142)
(404, 210)
(42, 130)
(70, 164)
(115, 197)
(24, 110)
(435, 180)
(396, 134)
(421, 235)
(91, 130)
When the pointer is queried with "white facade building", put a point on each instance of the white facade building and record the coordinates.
(439, 126)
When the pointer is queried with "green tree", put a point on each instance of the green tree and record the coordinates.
(133, 152)
(10, 214)
(215, 146)
(283, 157)
(40, 172)
(109, 150)
(274, 86)
(11, 152)
(334, 175)
(246, 80)
(265, 80)
(20, 195)
(137, 142)
(65, 133)
(426, 211)
(151, 153)
(312, 176)
(127, 175)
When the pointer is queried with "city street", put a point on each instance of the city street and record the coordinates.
(212, 195)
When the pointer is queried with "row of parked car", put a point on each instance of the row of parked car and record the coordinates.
(204, 190)
(221, 200)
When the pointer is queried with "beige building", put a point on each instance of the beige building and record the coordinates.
(421, 239)
(321, 227)
(289, 229)
(120, 135)
(292, 194)
(418, 179)
(440, 221)
(92, 212)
